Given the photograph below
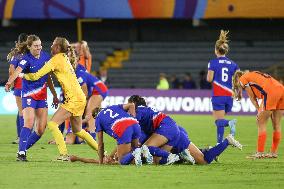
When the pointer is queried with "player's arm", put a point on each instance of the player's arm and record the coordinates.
(48, 67)
(252, 96)
(85, 160)
(85, 89)
(210, 75)
(52, 90)
(12, 78)
(100, 146)
(130, 107)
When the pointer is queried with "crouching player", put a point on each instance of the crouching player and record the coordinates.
(181, 145)
(117, 123)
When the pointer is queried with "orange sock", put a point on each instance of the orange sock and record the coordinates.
(275, 141)
(261, 141)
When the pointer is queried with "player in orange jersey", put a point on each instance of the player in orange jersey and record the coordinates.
(261, 86)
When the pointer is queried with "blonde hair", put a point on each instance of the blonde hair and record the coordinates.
(66, 48)
(237, 89)
(221, 44)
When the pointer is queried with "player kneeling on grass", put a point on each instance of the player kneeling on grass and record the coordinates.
(182, 145)
(120, 125)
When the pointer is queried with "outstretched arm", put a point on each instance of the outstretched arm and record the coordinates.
(48, 67)
(85, 160)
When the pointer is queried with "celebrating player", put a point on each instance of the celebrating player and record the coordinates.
(220, 72)
(34, 93)
(75, 100)
(262, 86)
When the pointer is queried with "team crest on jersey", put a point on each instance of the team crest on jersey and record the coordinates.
(29, 101)
(23, 62)
(80, 80)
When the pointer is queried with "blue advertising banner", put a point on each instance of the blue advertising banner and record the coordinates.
(168, 101)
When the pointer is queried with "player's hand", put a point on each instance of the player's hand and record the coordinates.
(8, 86)
(87, 118)
(55, 102)
(132, 110)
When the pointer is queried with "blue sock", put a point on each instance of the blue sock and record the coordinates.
(155, 151)
(21, 123)
(126, 159)
(62, 127)
(221, 123)
(163, 161)
(210, 154)
(18, 125)
(34, 137)
(25, 133)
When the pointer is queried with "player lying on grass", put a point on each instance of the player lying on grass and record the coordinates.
(182, 145)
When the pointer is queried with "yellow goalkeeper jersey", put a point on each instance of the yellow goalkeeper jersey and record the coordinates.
(75, 100)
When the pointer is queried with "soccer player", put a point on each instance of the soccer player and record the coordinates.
(261, 86)
(183, 146)
(161, 129)
(96, 93)
(34, 93)
(220, 72)
(117, 123)
(14, 58)
(186, 149)
(75, 100)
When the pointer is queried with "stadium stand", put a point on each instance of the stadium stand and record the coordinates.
(148, 59)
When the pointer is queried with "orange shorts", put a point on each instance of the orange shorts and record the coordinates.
(274, 99)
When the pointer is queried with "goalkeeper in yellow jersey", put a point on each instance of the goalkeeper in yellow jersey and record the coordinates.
(75, 100)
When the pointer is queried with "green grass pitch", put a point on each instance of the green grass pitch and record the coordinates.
(233, 170)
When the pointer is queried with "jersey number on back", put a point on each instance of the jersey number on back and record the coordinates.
(111, 113)
(225, 74)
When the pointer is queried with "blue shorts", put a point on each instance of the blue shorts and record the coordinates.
(29, 102)
(17, 92)
(169, 129)
(183, 141)
(131, 133)
(222, 103)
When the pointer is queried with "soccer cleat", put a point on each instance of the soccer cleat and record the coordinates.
(232, 125)
(63, 157)
(185, 155)
(16, 141)
(234, 142)
(257, 155)
(271, 155)
(21, 156)
(137, 156)
(146, 153)
(171, 159)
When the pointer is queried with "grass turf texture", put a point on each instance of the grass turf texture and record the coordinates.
(233, 170)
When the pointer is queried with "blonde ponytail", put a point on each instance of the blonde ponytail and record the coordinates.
(221, 44)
